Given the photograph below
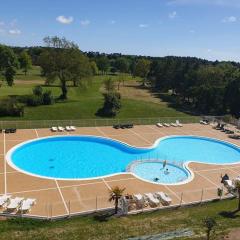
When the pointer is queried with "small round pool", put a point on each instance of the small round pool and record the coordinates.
(87, 157)
(155, 171)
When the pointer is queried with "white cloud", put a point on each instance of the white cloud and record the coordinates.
(2, 23)
(112, 21)
(143, 25)
(192, 31)
(209, 50)
(85, 22)
(64, 20)
(230, 19)
(14, 32)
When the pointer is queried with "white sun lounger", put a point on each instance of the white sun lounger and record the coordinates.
(27, 204)
(14, 203)
(151, 199)
(54, 129)
(159, 125)
(139, 200)
(138, 197)
(166, 125)
(73, 128)
(164, 198)
(60, 129)
(229, 184)
(174, 124)
(4, 199)
(68, 128)
(178, 123)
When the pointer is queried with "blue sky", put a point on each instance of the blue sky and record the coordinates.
(203, 28)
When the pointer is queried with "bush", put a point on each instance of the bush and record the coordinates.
(11, 108)
(34, 100)
(37, 91)
(47, 98)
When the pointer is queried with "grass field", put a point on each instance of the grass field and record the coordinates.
(84, 103)
(98, 227)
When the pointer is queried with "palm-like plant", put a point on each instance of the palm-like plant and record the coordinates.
(115, 194)
(237, 185)
(209, 223)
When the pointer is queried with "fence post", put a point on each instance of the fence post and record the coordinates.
(69, 209)
(201, 197)
(51, 211)
(96, 203)
(181, 199)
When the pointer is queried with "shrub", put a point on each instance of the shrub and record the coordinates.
(38, 91)
(34, 100)
(10, 107)
(47, 98)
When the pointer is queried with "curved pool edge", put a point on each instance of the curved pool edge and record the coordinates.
(155, 144)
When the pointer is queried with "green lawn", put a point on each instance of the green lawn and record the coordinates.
(95, 227)
(82, 103)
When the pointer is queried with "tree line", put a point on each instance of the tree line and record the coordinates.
(204, 87)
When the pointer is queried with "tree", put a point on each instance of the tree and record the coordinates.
(103, 64)
(8, 64)
(209, 224)
(25, 61)
(38, 91)
(109, 85)
(112, 104)
(232, 97)
(9, 75)
(94, 67)
(122, 65)
(142, 69)
(115, 194)
(63, 61)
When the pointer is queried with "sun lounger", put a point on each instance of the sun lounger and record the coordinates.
(139, 200)
(54, 129)
(229, 184)
(73, 128)
(164, 198)
(4, 200)
(178, 123)
(60, 129)
(204, 122)
(14, 203)
(159, 125)
(173, 124)
(234, 136)
(27, 204)
(166, 125)
(68, 128)
(151, 199)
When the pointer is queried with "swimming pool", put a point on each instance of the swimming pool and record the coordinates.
(84, 157)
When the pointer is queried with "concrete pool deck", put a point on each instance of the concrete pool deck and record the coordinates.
(59, 197)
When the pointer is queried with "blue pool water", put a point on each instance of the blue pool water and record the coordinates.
(154, 172)
(78, 157)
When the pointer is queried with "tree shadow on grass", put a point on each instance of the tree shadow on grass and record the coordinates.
(229, 214)
(103, 217)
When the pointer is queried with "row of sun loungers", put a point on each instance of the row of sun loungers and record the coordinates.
(123, 126)
(16, 204)
(139, 201)
(61, 129)
(176, 124)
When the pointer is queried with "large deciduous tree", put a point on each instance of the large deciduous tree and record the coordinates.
(62, 60)
(25, 61)
(142, 69)
(8, 64)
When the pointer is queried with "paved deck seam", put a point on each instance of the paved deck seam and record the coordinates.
(175, 194)
(60, 192)
(138, 135)
(100, 131)
(107, 184)
(208, 179)
(36, 133)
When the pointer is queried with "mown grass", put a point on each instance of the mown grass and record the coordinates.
(94, 227)
(83, 102)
